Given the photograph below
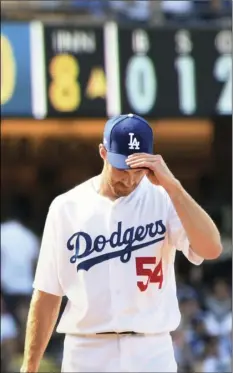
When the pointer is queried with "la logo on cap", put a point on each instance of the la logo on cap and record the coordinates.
(134, 144)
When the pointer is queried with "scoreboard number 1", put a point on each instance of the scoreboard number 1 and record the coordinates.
(185, 66)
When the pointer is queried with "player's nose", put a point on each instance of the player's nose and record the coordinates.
(129, 181)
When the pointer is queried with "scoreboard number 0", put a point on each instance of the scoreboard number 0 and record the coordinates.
(141, 84)
(64, 90)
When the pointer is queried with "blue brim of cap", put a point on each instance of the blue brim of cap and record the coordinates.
(117, 160)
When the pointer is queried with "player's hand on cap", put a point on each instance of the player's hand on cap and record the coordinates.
(158, 171)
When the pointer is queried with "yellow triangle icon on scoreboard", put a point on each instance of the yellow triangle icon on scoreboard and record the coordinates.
(96, 86)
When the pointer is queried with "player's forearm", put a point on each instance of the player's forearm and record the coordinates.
(202, 233)
(42, 317)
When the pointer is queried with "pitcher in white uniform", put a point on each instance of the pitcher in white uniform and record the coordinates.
(109, 245)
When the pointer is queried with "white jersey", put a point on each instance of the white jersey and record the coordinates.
(114, 260)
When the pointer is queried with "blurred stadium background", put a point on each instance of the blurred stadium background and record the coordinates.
(66, 66)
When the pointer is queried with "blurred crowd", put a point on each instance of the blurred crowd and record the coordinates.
(202, 342)
(146, 11)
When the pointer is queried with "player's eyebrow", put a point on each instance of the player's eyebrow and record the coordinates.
(135, 170)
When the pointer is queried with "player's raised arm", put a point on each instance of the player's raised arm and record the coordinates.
(42, 317)
(201, 231)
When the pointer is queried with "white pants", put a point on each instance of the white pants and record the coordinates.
(119, 353)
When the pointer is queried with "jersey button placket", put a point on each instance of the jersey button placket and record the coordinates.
(114, 266)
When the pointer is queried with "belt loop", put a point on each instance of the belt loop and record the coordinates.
(120, 333)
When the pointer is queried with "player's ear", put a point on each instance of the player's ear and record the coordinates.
(102, 151)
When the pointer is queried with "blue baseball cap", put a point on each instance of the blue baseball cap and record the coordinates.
(125, 135)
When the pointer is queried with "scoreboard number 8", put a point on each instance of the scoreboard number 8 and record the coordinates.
(64, 90)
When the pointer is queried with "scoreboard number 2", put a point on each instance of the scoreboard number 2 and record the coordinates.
(223, 73)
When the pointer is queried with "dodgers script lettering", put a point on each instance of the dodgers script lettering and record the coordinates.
(131, 239)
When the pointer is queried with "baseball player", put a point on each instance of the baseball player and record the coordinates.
(109, 245)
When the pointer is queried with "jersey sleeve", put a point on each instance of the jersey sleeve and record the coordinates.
(46, 276)
(177, 236)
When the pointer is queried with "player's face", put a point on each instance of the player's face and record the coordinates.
(121, 182)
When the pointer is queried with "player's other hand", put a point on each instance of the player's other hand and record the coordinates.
(158, 171)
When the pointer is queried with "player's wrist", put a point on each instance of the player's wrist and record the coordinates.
(175, 189)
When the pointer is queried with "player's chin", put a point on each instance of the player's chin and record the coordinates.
(123, 192)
